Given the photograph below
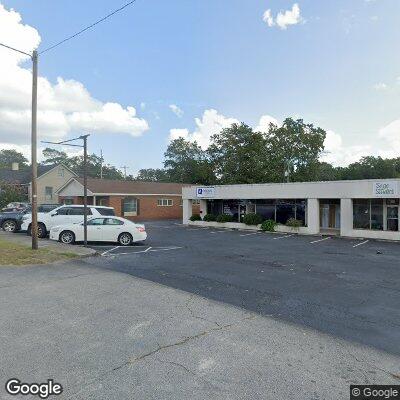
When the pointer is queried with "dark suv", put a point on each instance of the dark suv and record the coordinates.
(10, 219)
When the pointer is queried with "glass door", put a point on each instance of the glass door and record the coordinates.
(392, 218)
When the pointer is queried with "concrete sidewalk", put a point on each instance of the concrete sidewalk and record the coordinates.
(106, 335)
(25, 240)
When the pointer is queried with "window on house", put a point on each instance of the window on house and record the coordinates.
(48, 193)
(130, 207)
(164, 202)
(61, 171)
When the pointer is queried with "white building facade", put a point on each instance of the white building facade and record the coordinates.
(362, 208)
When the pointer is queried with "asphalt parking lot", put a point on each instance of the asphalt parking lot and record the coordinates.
(348, 288)
(205, 314)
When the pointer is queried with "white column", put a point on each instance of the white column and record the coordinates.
(346, 217)
(313, 216)
(203, 208)
(187, 210)
(94, 200)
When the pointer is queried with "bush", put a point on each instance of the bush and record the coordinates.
(294, 223)
(224, 218)
(268, 225)
(195, 217)
(210, 217)
(252, 219)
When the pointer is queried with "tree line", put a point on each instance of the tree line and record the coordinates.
(238, 154)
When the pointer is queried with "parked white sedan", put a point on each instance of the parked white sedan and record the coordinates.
(105, 229)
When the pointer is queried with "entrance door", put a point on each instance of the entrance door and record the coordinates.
(392, 218)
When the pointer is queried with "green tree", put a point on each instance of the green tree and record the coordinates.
(186, 162)
(294, 148)
(53, 156)
(372, 168)
(10, 193)
(327, 172)
(153, 175)
(7, 157)
(238, 155)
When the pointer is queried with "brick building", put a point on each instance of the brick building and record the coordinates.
(134, 200)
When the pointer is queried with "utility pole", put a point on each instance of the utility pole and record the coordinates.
(34, 225)
(124, 167)
(34, 58)
(101, 165)
(85, 210)
(84, 137)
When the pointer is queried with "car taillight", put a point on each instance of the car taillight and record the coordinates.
(141, 229)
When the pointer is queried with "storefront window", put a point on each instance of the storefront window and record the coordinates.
(285, 209)
(368, 214)
(377, 215)
(301, 214)
(266, 208)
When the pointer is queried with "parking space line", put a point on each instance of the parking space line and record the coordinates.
(282, 237)
(220, 231)
(360, 244)
(149, 250)
(321, 240)
(110, 250)
(249, 234)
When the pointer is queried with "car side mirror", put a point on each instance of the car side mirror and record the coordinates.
(53, 214)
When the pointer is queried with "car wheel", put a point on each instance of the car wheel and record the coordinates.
(67, 237)
(125, 239)
(42, 232)
(9, 226)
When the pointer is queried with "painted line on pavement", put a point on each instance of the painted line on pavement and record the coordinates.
(283, 237)
(360, 244)
(153, 250)
(110, 250)
(250, 234)
(321, 240)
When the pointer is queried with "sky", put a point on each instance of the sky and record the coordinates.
(188, 68)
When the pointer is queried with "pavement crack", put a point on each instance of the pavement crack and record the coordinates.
(193, 315)
(392, 374)
(179, 365)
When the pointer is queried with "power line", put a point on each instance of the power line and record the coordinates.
(88, 27)
(12, 48)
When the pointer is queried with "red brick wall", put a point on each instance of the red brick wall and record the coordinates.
(148, 208)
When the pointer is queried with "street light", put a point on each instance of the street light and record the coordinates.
(67, 143)
(34, 58)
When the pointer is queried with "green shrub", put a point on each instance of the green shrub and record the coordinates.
(224, 218)
(252, 219)
(294, 223)
(195, 217)
(268, 225)
(210, 217)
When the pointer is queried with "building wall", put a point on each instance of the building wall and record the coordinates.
(148, 208)
(346, 191)
(52, 179)
(300, 190)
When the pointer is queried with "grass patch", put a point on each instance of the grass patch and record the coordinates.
(17, 254)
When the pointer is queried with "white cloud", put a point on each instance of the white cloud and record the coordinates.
(209, 124)
(265, 121)
(391, 134)
(63, 107)
(284, 18)
(176, 110)
(380, 86)
(268, 18)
